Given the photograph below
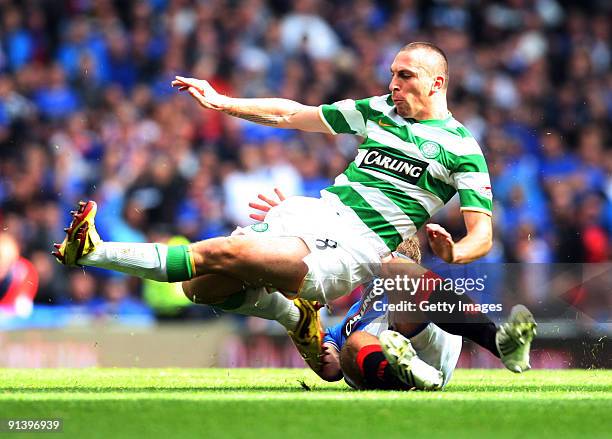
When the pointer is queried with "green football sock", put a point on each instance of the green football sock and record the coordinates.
(179, 263)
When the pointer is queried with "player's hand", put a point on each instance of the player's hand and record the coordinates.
(441, 242)
(201, 90)
(265, 208)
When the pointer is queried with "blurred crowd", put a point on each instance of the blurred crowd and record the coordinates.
(87, 112)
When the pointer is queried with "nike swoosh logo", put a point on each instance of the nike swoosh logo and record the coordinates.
(382, 124)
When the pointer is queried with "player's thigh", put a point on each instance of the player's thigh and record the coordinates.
(275, 261)
(211, 288)
(406, 322)
(348, 356)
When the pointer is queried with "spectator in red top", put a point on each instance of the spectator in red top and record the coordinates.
(18, 278)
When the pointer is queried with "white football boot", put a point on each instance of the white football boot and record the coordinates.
(513, 339)
(406, 364)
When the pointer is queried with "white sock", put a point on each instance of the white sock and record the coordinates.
(269, 306)
(149, 261)
(145, 260)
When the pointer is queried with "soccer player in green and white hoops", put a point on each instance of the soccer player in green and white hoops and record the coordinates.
(414, 158)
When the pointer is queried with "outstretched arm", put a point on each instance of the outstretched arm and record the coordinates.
(277, 112)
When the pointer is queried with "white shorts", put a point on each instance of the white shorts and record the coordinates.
(339, 260)
(433, 345)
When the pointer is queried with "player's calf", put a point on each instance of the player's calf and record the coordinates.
(211, 289)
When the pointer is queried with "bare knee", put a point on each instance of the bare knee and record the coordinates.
(191, 292)
(349, 352)
(186, 286)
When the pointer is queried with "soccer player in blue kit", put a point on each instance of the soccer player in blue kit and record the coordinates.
(364, 350)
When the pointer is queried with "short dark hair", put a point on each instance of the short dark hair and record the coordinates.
(433, 48)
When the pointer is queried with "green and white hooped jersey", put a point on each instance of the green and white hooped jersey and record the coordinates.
(405, 170)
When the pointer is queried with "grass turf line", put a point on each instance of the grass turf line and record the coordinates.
(270, 403)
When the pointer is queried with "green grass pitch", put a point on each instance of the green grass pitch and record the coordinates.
(271, 403)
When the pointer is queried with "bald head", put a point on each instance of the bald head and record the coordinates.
(419, 78)
(433, 59)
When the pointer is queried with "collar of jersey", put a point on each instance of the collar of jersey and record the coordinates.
(432, 122)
